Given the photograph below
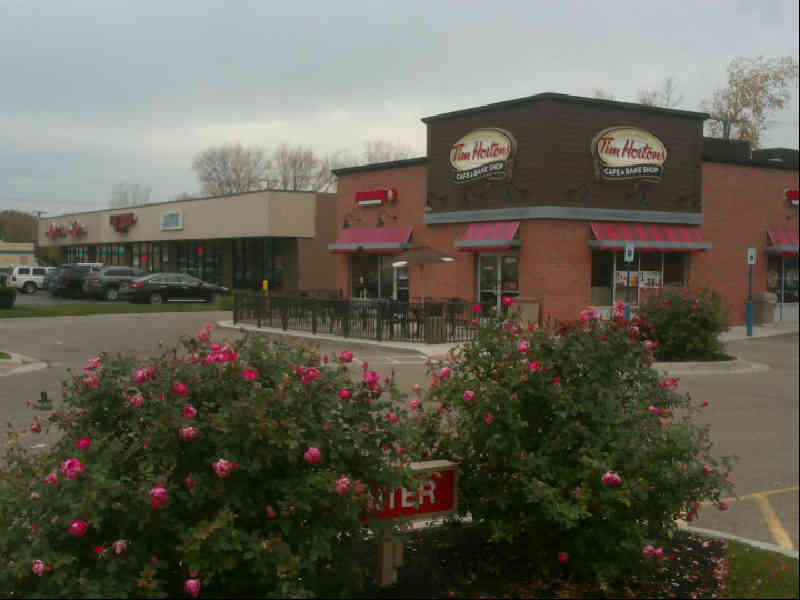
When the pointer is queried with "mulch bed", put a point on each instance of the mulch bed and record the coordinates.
(439, 565)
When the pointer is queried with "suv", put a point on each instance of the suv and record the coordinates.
(106, 282)
(28, 279)
(70, 280)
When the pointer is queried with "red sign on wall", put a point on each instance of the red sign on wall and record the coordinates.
(376, 197)
(791, 196)
(122, 222)
(435, 495)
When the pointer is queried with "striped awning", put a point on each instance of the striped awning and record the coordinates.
(489, 237)
(377, 240)
(647, 236)
(783, 241)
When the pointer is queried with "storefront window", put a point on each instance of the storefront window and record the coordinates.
(498, 276)
(782, 277)
(372, 276)
(648, 271)
(602, 292)
(256, 260)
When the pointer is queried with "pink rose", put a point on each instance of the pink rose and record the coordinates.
(36, 427)
(489, 418)
(189, 412)
(417, 388)
(444, 373)
(216, 347)
(372, 378)
(649, 551)
(119, 546)
(209, 327)
(670, 384)
(145, 373)
(524, 346)
(556, 379)
(312, 455)
(342, 485)
(71, 468)
(192, 587)
(654, 409)
(707, 469)
(589, 314)
(658, 553)
(84, 443)
(223, 468)
(311, 374)
(346, 356)
(190, 482)
(390, 416)
(52, 478)
(250, 374)
(534, 366)
(99, 551)
(188, 433)
(39, 567)
(649, 345)
(563, 557)
(91, 381)
(158, 495)
(507, 300)
(181, 389)
(611, 478)
(93, 363)
(414, 404)
(135, 400)
(723, 506)
(345, 394)
(477, 308)
(78, 528)
(469, 395)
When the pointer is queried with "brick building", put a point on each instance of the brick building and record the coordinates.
(537, 198)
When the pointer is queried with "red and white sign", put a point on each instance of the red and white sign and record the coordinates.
(482, 153)
(376, 197)
(629, 153)
(122, 222)
(791, 196)
(434, 497)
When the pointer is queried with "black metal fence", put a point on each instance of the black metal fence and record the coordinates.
(429, 322)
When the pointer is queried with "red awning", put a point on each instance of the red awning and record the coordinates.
(647, 236)
(783, 241)
(378, 240)
(489, 237)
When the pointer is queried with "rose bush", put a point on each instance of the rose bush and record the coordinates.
(683, 324)
(560, 453)
(214, 469)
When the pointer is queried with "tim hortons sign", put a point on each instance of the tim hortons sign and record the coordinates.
(623, 153)
(483, 153)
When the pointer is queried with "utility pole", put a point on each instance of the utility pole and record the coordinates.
(38, 214)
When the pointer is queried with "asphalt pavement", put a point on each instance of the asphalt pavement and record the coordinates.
(753, 415)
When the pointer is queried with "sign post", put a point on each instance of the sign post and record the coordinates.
(751, 260)
(628, 261)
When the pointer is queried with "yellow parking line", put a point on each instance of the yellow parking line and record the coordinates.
(754, 495)
(774, 523)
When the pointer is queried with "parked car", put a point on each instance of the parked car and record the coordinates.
(28, 278)
(171, 287)
(71, 280)
(107, 282)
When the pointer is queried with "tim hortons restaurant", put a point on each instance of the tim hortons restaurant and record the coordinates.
(237, 241)
(538, 197)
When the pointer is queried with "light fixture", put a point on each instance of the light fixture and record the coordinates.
(448, 259)
(400, 263)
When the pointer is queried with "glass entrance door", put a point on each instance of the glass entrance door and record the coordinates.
(498, 276)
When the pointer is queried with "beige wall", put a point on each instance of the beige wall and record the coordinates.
(317, 265)
(16, 253)
(275, 214)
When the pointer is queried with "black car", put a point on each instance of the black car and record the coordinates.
(171, 287)
(70, 280)
(107, 282)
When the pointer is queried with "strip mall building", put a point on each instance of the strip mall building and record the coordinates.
(538, 197)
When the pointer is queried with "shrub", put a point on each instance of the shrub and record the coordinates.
(684, 324)
(8, 296)
(570, 448)
(236, 470)
(225, 303)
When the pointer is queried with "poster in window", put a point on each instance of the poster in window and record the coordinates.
(650, 279)
(622, 278)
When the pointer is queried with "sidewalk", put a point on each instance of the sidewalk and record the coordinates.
(739, 332)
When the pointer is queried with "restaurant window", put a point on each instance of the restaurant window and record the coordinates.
(372, 276)
(498, 276)
(782, 277)
(256, 260)
(648, 271)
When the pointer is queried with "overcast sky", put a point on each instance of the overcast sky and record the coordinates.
(94, 93)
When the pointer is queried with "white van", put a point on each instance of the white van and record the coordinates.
(28, 278)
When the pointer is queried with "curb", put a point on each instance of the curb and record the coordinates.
(431, 351)
(722, 367)
(728, 536)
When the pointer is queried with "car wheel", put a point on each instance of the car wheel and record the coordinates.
(29, 287)
(112, 294)
(155, 298)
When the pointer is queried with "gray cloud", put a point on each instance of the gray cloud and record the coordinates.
(95, 93)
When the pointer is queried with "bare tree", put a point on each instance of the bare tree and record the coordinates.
(231, 169)
(124, 195)
(667, 96)
(376, 151)
(17, 226)
(756, 86)
(300, 168)
(602, 94)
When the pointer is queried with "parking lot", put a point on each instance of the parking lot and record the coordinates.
(45, 298)
(752, 415)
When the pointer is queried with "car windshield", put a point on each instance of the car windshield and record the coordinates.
(191, 280)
